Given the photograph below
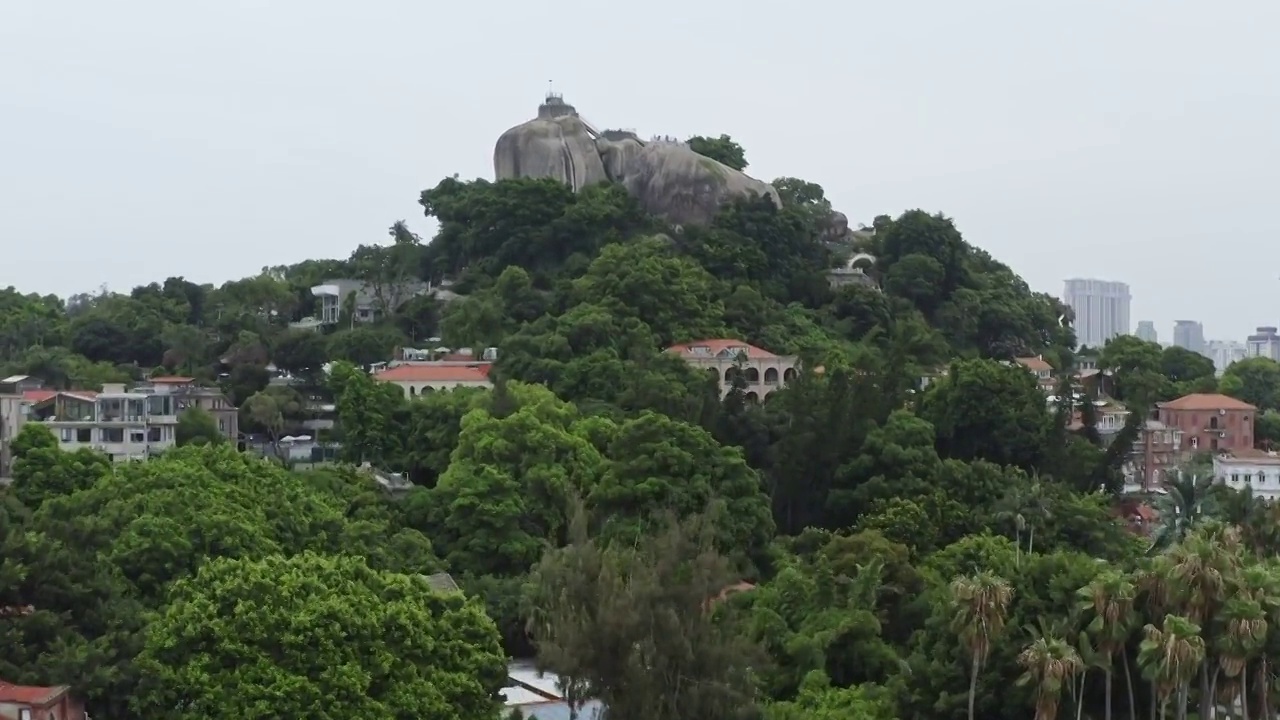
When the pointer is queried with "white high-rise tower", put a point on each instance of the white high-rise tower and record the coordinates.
(1101, 308)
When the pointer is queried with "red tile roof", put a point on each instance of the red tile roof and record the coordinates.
(474, 372)
(1206, 401)
(39, 396)
(1036, 363)
(717, 346)
(728, 591)
(29, 695)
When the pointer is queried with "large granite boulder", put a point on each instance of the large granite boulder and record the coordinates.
(673, 182)
(668, 178)
(551, 147)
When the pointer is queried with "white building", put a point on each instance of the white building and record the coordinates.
(1264, 342)
(1257, 469)
(1225, 352)
(763, 371)
(1101, 309)
(364, 300)
(1189, 335)
(1146, 331)
(12, 411)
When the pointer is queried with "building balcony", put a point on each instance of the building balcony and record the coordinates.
(122, 419)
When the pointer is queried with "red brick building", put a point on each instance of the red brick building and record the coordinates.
(23, 702)
(1210, 421)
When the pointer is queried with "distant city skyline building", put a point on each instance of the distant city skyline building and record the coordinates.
(1189, 334)
(1264, 342)
(1146, 332)
(1101, 309)
(1225, 352)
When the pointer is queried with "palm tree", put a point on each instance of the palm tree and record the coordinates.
(1026, 510)
(1170, 657)
(981, 605)
(1110, 600)
(1241, 638)
(1019, 522)
(1049, 663)
(1246, 621)
(1202, 570)
(1188, 499)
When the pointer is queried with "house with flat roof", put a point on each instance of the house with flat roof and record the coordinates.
(1257, 470)
(367, 300)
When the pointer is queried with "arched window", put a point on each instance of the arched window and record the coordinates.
(789, 374)
(771, 376)
(753, 375)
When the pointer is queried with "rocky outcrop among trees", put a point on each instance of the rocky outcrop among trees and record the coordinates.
(669, 178)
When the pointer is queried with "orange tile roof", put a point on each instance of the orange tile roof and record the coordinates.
(476, 372)
(170, 380)
(1206, 401)
(39, 396)
(29, 695)
(1033, 363)
(719, 345)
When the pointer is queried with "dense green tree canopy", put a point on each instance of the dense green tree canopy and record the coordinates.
(313, 635)
(908, 525)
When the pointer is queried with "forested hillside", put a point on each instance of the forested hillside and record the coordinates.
(907, 529)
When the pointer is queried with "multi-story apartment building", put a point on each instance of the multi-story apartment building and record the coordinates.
(1225, 352)
(763, 371)
(124, 423)
(13, 413)
(1101, 309)
(1157, 450)
(1210, 421)
(186, 393)
(1264, 342)
(11, 408)
(1189, 334)
(1146, 332)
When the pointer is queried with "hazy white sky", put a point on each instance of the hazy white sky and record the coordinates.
(1135, 140)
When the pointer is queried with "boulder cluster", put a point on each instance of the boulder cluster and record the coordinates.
(666, 176)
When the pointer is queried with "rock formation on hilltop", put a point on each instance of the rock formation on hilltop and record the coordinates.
(667, 177)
